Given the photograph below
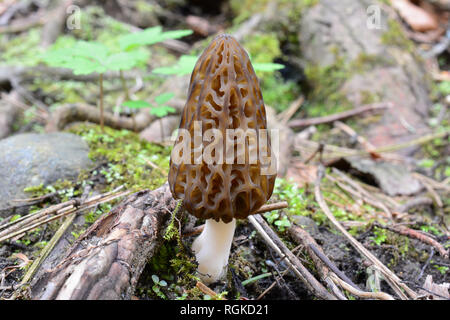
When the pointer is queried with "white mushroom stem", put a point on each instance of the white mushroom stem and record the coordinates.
(212, 249)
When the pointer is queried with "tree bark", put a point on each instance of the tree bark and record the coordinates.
(107, 260)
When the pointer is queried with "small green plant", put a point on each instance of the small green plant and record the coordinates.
(442, 269)
(87, 57)
(14, 218)
(282, 222)
(380, 235)
(426, 163)
(444, 88)
(431, 229)
(75, 234)
(157, 286)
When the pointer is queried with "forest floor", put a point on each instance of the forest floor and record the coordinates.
(398, 211)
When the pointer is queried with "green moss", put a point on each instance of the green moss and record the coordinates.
(172, 263)
(244, 9)
(66, 189)
(278, 93)
(263, 47)
(126, 156)
(395, 36)
(367, 62)
(325, 97)
(23, 49)
(302, 202)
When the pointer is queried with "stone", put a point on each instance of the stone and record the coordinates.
(31, 159)
(393, 179)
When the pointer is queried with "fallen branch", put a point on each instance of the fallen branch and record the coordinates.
(37, 219)
(206, 290)
(316, 253)
(78, 112)
(300, 236)
(107, 260)
(359, 293)
(48, 248)
(368, 147)
(280, 248)
(417, 235)
(333, 152)
(24, 24)
(397, 285)
(81, 112)
(298, 123)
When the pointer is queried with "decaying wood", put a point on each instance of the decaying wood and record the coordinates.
(107, 260)
(81, 112)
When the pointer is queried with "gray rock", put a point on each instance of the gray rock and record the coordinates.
(392, 178)
(31, 159)
(336, 33)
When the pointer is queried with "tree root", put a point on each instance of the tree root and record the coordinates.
(107, 260)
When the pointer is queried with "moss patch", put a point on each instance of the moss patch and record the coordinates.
(394, 36)
(324, 96)
(128, 160)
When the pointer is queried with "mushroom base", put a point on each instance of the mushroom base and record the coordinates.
(212, 249)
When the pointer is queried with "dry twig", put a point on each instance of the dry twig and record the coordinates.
(297, 123)
(206, 290)
(34, 220)
(417, 235)
(397, 285)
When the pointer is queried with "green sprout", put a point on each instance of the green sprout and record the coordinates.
(281, 222)
(380, 236)
(156, 287)
(84, 57)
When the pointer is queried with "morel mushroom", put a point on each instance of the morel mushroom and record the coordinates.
(222, 164)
